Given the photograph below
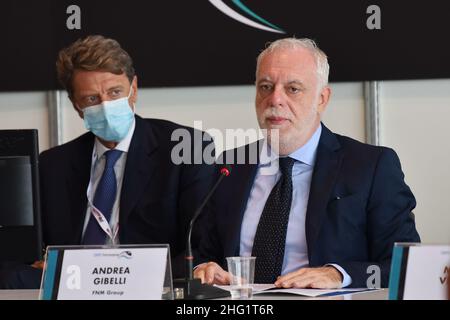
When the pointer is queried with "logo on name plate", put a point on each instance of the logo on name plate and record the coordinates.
(126, 254)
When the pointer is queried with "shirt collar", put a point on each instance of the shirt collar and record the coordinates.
(305, 154)
(123, 145)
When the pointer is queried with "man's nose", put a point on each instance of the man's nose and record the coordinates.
(104, 97)
(277, 98)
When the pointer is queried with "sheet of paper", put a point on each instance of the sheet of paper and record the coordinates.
(270, 288)
(313, 292)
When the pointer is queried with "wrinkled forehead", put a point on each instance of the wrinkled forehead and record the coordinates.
(97, 81)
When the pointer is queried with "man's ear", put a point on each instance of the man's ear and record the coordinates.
(324, 97)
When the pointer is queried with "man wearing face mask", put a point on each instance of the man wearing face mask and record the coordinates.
(116, 184)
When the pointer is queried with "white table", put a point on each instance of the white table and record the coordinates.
(366, 295)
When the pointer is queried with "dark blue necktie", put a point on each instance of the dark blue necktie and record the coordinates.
(104, 199)
(270, 237)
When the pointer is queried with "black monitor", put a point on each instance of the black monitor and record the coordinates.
(20, 224)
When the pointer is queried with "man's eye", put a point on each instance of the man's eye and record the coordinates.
(264, 87)
(91, 99)
(116, 93)
(293, 90)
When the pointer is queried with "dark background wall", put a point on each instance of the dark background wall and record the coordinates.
(191, 43)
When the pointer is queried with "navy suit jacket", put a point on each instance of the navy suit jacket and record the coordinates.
(157, 200)
(358, 207)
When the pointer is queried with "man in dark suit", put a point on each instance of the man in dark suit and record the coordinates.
(120, 183)
(157, 197)
(330, 212)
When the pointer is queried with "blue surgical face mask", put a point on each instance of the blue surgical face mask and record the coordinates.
(109, 120)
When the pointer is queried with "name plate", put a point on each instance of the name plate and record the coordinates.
(419, 272)
(107, 273)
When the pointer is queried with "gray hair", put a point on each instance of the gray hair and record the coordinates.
(322, 66)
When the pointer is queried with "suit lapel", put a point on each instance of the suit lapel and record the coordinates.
(241, 192)
(327, 166)
(77, 184)
(240, 186)
(139, 167)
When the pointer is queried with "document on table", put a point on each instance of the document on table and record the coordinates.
(270, 288)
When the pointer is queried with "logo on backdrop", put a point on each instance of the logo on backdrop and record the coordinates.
(263, 24)
(445, 275)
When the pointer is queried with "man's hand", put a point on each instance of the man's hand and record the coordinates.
(38, 264)
(212, 273)
(317, 278)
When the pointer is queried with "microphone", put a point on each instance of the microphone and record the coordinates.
(193, 288)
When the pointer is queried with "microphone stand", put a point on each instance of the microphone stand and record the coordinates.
(193, 288)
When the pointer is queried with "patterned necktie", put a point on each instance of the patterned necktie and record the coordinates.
(104, 199)
(270, 237)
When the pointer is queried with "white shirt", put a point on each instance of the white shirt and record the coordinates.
(296, 250)
(97, 168)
